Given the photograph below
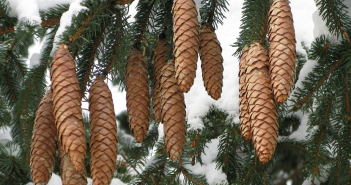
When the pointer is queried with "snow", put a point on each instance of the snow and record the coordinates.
(25, 10)
(66, 20)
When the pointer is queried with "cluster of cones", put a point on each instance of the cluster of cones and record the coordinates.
(58, 126)
(265, 80)
(173, 78)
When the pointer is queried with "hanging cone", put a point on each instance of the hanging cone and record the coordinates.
(159, 61)
(211, 61)
(69, 175)
(173, 112)
(282, 51)
(137, 88)
(243, 104)
(44, 139)
(67, 106)
(186, 42)
(263, 113)
(103, 130)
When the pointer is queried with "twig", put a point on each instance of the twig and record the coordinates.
(299, 104)
(323, 131)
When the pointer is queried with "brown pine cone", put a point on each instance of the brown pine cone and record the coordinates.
(263, 113)
(186, 42)
(44, 139)
(243, 104)
(103, 130)
(159, 61)
(211, 61)
(67, 106)
(69, 175)
(282, 51)
(173, 112)
(137, 88)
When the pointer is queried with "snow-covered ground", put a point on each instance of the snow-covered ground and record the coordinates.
(308, 25)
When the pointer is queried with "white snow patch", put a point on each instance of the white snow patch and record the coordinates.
(301, 133)
(66, 20)
(5, 133)
(25, 10)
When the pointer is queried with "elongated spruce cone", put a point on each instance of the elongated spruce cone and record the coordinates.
(103, 133)
(69, 175)
(159, 61)
(186, 42)
(244, 116)
(173, 112)
(263, 113)
(67, 106)
(137, 88)
(44, 139)
(282, 50)
(211, 61)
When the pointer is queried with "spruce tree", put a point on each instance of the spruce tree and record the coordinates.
(100, 40)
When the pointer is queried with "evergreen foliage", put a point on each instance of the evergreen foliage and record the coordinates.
(100, 39)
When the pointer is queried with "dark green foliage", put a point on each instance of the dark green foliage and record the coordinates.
(254, 24)
(212, 12)
(12, 169)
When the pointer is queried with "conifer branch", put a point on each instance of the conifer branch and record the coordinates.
(84, 24)
(117, 44)
(27, 142)
(347, 96)
(264, 179)
(92, 58)
(311, 91)
(137, 44)
(5, 29)
(342, 31)
(212, 12)
(10, 86)
(50, 22)
(174, 176)
(248, 173)
(323, 131)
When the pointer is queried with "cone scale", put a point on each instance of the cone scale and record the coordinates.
(69, 175)
(262, 108)
(137, 90)
(173, 112)
(186, 42)
(244, 116)
(67, 106)
(282, 51)
(44, 139)
(159, 59)
(103, 133)
(211, 61)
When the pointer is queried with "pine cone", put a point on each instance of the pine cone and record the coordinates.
(173, 112)
(69, 175)
(282, 51)
(44, 139)
(103, 130)
(159, 61)
(243, 104)
(263, 113)
(67, 106)
(137, 88)
(211, 61)
(186, 42)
